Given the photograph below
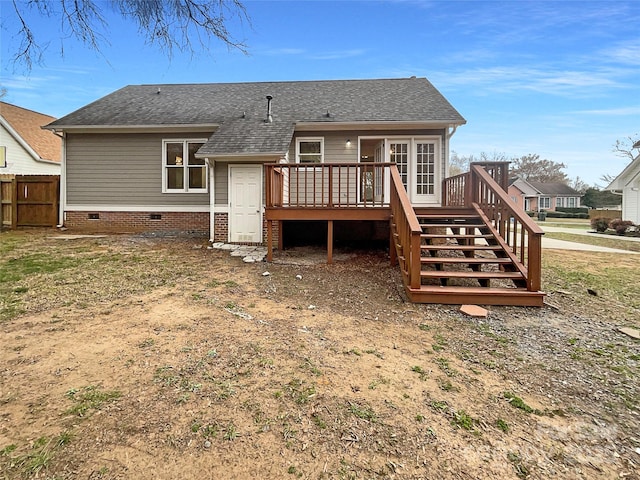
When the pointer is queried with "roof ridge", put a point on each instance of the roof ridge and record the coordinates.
(277, 81)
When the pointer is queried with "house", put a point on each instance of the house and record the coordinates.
(628, 184)
(249, 162)
(534, 196)
(190, 157)
(25, 148)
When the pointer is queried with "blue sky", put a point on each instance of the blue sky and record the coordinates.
(557, 78)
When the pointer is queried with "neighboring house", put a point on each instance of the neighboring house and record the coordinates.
(192, 157)
(628, 184)
(25, 148)
(535, 196)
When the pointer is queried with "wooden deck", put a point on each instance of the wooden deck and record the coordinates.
(476, 248)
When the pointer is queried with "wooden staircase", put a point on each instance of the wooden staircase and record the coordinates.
(464, 260)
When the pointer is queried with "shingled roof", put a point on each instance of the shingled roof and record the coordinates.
(554, 189)
(239, 109)
(28, 124)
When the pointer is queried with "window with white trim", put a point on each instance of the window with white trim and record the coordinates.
(182, 172)
(545, 202)
(309, 150)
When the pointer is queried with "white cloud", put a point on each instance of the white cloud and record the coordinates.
(547, 80)
(337, 55)
(284, 51)
(625, 54)
(633, 110)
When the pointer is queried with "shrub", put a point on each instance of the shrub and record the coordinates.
(600, 224)
(567, 215)
(620, 226)
(572, 209)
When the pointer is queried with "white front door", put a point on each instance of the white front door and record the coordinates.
(245, 203)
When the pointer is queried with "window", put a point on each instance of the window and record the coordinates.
(309, 150)
(545, 202)
(571, 202)
(182, 171)
(3, 157)
(425, 168)
(399, 154)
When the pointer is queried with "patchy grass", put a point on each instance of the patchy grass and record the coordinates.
(32, 460)
(90, 398)
(600, 241)
(352, 389)
(614, 278)
(518, 403)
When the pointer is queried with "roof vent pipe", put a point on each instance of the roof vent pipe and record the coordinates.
(269, 116)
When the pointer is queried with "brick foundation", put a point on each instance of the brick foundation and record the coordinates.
(185, 223)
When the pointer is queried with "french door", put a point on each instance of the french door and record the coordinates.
(418, 164)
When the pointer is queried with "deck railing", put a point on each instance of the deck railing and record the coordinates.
(407, 229)
(484, 188)
(327, 185)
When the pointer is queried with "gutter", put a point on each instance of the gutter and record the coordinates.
(151, 128)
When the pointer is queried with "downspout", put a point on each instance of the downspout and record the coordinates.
(212, 200)
(450, 132)
(63, 179)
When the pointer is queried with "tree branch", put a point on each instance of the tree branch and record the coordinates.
(168, 24)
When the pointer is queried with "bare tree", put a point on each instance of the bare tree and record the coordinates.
(625, 147)
(578, 185)
(169, 24)
(532, 167)
(460, 164)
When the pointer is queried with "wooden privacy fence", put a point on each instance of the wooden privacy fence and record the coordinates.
(29, 200)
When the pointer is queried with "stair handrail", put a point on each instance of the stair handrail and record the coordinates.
(518, 230)
(408, 230)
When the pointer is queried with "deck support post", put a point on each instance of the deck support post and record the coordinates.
(269, 241)
(393, 254)
(330, 241)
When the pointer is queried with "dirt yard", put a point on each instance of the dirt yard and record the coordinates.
(134, 358)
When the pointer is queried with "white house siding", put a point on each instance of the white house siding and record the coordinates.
(20, 162)
(631, 203)
(121, 170)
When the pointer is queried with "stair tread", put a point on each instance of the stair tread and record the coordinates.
(461, 247)
(475, 260)
(485, 290)
(453, 235)
(455, 225)
(470, 274)
(447, 216)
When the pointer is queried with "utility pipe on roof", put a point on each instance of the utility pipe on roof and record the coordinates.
(269, 116)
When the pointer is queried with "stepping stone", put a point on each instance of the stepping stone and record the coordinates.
(632, 332)
(474, 311)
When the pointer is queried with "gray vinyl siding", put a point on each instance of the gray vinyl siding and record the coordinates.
(221, 175)
(310, 187)
(122, 170)
(306, 187)
(335, 143)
